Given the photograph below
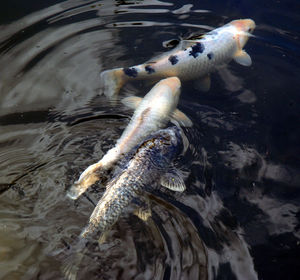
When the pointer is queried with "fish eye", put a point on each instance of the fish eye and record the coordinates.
(250, 30)
(166, 140)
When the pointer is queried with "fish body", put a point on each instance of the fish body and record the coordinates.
(191, 59)
(152, 161)
(152, 113)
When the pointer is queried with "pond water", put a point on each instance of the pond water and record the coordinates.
(238, 218)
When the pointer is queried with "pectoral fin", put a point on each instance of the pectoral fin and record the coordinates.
(131, 101)
(241, 57)
(204, 83)
(144, 209)
(103, 237)
(173, 181)
(143, 213)
(194, 36)
(180, 117)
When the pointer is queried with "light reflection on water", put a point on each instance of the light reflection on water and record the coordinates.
(53, 124)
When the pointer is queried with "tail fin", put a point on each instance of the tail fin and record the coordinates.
(71, 264)
(86, 179)
(94, 172)
(70, 269)
(112, 81)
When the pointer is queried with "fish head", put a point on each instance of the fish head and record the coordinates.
(163, 98)
(174, 85)
(168, 143)
(167, 92)
(242, 30)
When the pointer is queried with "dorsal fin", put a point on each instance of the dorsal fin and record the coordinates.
(181, 45)
(171, 43)
(184, 44)
(194, 36)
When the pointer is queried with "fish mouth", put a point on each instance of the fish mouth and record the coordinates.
(243, 30)
(244, 25)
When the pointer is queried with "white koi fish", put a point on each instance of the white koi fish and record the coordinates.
(152, 113)
(193, 58)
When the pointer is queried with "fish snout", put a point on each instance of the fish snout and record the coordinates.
(244, 25)
(249, 25)
(174, 84)
(244, 28)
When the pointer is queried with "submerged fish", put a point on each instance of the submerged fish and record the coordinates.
(193, 58)
(151, 162)
(152, 113)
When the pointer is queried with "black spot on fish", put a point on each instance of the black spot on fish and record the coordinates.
(210, 55)
(197, 49)
(173, 59)
(131, 72)
(149, 69)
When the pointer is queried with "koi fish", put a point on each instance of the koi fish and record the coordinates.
(193, 58)
(151, 162)
(152, 113)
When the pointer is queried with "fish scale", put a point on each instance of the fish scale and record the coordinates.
(191, 59)
(120, 192)
(199, 66)
(151, 113)
(149, 163)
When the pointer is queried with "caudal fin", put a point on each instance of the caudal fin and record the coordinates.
(72, 262)
(89, 176)
(70, 269)
(112, 81)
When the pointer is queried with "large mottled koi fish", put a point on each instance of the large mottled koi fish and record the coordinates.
(152, 112)
(151, 162)
(193, 58)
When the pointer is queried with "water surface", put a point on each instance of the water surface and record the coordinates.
(238, 218)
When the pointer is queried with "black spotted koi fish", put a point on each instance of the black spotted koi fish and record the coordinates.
(193, 58)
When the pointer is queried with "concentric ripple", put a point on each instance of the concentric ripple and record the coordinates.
(241, 196)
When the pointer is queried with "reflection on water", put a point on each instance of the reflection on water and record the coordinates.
(239, 217)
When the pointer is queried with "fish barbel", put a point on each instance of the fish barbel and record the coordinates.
(193, 58)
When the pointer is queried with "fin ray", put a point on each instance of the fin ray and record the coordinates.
(131, 102)
(144, 208)
(171, 43)
(103, 237)
(243, 58)
(173, 181)
(180, 117)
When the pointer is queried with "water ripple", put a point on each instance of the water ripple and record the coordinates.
(54, 124)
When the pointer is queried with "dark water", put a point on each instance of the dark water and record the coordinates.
(239, 217)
